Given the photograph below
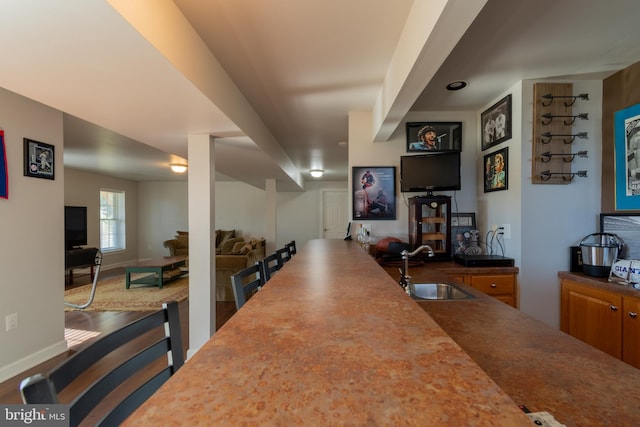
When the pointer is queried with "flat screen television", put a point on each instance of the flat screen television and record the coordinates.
(75, 226)
(430, 172)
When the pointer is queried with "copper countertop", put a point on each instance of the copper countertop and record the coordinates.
(330, 340)
(537, 365)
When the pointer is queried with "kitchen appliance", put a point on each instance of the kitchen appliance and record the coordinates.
(599, 252)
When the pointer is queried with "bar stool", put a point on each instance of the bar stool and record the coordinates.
(270, 265)
(292, 247)
(243, 289)
(284, 255)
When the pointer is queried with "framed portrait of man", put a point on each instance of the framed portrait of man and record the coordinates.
(427, 137)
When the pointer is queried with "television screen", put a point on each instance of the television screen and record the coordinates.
(75, 226)
(430, 172)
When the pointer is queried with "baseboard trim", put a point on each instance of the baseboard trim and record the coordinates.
(34, 359)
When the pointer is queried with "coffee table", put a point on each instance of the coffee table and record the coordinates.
(156, 267)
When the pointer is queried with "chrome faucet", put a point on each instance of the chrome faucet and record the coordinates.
(405, 279)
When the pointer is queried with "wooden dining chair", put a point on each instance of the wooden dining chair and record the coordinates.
(115, 354)
(270, 265)
(247, 282)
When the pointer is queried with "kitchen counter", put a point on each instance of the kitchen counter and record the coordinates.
(536, 365)
(330, 340)
(600, 282)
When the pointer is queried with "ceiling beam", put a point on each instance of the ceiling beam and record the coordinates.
(431, 32)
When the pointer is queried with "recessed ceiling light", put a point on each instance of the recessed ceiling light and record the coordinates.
(316, 173)
(457, 85)
(178, 168)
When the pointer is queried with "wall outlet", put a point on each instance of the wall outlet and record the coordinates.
(506, 230)
(367, 228)
(11, 321)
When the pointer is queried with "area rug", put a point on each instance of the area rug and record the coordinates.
(111, 295)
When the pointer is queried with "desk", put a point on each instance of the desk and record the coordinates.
(79, 258)
(157, 268)
(331, 339)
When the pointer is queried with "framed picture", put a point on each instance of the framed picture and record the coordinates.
(434, 136)
(374, 192)
(625, 226)
(496, 123)
(461, 226)
(626, 132)
(39, 159)
(496, 170)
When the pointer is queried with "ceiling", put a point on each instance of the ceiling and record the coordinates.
(294, 69)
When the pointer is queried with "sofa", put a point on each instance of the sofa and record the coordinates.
(233, 253)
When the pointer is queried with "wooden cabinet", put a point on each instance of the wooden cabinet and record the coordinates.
(593, 316)
(604, 319)
(430, 224)
(631, 331)
(500, 286)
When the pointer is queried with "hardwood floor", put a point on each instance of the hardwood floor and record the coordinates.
(89, 322)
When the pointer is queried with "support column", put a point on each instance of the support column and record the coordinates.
(202, 259)
(271, 216)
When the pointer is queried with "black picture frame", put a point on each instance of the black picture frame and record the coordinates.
(374, 192)
(627, 227)
(448, 136)
(461, 226)
(496, 123)
(39, 159)
(494, 165)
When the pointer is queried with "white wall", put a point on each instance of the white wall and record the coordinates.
(32, 250)
(163, 210)
(545, 219)
(363, 151)
(555, 217)
(83, 188)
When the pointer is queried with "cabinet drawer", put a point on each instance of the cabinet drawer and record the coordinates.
(494, 284)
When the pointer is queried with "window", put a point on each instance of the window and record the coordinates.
(112, 221)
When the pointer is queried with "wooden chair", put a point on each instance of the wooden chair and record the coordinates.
(45, 388)
(247, 282)
(284, 254)
(292, 247)
(270, 265)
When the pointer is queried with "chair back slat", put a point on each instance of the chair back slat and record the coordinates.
(246, 282)
(45, 388)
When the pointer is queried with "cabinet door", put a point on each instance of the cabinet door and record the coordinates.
(593, 316)
(631, 331)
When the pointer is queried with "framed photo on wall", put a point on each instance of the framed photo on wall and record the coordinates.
(374, 192)
(39, 159)
(434, 136)
(461, 226)
(626, 132)
(496, 123)
(496, 170)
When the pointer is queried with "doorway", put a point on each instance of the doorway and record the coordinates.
(334, 214)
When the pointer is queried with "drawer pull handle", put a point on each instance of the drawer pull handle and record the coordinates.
(633, 314)
(493, 285)
(613, 307)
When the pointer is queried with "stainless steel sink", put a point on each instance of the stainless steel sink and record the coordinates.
(438, 291)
